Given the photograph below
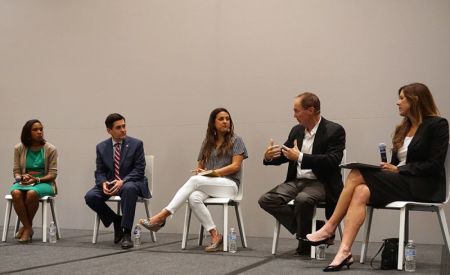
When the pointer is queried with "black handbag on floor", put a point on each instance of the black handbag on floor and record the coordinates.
(389, 255)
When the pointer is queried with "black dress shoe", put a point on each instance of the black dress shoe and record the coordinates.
(301, 253)
(126, 241)
(303, 249)
(118, 231)
(347, 261)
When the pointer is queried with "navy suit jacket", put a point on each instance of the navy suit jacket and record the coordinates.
(424, 168)
(327, 152)
(132, 164)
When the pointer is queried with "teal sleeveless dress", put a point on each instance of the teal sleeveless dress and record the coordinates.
(35, 166)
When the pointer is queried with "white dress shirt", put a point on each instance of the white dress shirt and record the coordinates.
(307, 145)
(403, 151)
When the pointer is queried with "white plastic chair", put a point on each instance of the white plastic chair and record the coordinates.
(45, 201)
(405, 207)
(149, 160)
(276, 230)
(225, 202)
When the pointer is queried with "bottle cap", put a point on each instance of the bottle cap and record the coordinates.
(410, 241)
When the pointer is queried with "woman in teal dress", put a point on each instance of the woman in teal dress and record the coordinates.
(35, 170)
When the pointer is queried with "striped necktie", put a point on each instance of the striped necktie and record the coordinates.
(116, 161)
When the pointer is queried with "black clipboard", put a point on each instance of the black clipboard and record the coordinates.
(358, 165)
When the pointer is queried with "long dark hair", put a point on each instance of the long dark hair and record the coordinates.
(25, 137)
(421, 105)
(209, 143)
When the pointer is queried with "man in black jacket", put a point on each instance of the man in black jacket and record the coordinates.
(314, 150)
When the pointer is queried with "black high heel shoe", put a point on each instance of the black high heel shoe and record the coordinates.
(328, 241)
(347, 261)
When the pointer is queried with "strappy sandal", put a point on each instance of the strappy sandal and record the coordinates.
(217, 246)
(19, 233)
(29, 238)
(155, 227)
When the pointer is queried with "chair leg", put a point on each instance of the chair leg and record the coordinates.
(118, 207)
(313, 229)
(187, 221)
(149, 214)
(201, 235)
(16, 225)
(240, 220)
(276, 235)
(225, 227)
(444, 228)
(366, 233)
(6, 220)
(406, 225)
(401, 238)
(55, 217)
(44, 221)
(96, 226)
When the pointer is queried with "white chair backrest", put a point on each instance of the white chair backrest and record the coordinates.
(149, 162)
(344, 171)
(447, 175)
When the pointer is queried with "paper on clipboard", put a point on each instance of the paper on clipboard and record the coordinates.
(209, 173)
(358, 165)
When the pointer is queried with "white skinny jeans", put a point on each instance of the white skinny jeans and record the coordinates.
(199, 188)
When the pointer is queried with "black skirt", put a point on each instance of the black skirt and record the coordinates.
(386, 187)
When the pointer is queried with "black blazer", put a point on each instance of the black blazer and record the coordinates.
(424, 166)
(327, 153)
(132, 163)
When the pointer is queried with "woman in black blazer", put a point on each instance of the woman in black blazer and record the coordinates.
(415, 173)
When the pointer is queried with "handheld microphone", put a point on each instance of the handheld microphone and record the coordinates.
(382, 148)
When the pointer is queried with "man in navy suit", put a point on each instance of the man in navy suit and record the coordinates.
(120, 172)
(314, 150)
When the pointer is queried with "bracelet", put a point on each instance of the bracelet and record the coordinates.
(38, 179)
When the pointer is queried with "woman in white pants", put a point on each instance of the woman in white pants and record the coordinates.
(218, 174)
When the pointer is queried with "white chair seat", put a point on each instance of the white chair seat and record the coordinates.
(46, 200)
(400, 204)
(117, 199)
(217, 200)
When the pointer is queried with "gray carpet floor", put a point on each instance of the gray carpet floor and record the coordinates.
(75, 254)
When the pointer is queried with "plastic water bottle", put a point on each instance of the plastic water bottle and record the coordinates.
(137, 235)
(232, 242)
(320, 252)
(52, 233)
(410, 256)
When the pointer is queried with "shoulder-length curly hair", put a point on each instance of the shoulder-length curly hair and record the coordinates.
(209, 143)
(25, 137)
(421, 105)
